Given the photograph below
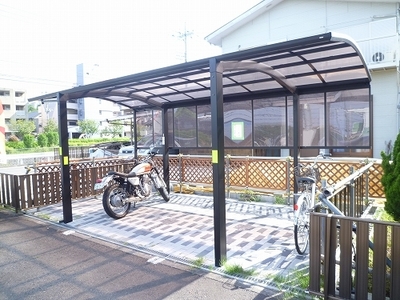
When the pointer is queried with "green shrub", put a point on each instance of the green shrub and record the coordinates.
(42, 140)
(249, 195)
(29, 141)
(391, 180)
(52, 138)
(15, 144)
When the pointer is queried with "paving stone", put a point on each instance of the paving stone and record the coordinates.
(259, 235)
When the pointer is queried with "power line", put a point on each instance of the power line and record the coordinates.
(184, 36)
(36, 80)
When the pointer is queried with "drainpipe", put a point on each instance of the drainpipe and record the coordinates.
(398, 71)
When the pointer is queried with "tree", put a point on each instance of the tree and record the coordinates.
(391, 180)
(51, 126)
(114, 129)
(88, 127)
(32, 108)
(22, 127)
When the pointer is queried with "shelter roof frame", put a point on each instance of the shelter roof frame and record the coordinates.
(325, 61)
(318, 63)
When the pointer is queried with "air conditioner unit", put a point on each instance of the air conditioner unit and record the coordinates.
(387, 56)
(378, 57)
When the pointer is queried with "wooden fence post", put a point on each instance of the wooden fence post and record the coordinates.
(14, 193)
(227, 169)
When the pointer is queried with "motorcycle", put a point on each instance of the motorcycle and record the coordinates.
(128, 188)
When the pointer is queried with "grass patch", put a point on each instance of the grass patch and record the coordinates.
(44, 216)
(279, 199)
(236, 269)
(249, 195)
(198, 262)
(298, 278)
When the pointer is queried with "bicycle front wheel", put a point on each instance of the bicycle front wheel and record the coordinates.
(302, 228)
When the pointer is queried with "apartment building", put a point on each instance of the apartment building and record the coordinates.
(14, 108)
(89, 108)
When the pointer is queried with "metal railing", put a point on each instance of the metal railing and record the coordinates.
(350, 195)
(349, 255)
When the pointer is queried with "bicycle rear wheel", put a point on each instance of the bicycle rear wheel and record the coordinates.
(302, 227)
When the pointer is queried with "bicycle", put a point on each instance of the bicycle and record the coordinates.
(306, 178)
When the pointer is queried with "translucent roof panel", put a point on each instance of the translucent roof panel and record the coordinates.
(289, 67)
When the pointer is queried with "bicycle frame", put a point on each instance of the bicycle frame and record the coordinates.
(306, 177)
(309, 189)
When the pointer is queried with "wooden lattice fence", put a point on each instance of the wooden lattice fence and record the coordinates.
(258, 173)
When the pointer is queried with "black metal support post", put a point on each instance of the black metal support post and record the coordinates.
(296, 133)
(217, 125)
(64, 159)
(134, 133)
(166, 148)
(352, 195)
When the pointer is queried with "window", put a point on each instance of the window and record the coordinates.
(238, 122)
(348, 118)
(6, 107)
(20, 108)
(204, 125)
(270, 122)
(185, 126)
(4, 93)
(312, 120)
(19, 94)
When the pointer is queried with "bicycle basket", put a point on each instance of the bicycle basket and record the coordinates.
(306, 171)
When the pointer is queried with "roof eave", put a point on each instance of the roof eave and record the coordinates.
(216, 37)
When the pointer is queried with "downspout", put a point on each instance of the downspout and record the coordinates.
(398, 69)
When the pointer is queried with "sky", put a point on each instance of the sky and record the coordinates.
(44, 40)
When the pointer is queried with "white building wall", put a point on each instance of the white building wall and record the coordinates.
(293, 19)
(385, 111)
(372, 25)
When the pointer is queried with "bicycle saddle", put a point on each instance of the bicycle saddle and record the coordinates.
(307, 180)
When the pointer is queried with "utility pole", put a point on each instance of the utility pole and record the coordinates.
(184, 36)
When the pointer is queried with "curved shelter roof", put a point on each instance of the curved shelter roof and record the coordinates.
(315, 63)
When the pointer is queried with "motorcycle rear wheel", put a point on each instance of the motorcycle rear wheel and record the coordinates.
(114, 202)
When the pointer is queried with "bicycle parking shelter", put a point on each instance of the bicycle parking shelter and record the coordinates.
(318, 64)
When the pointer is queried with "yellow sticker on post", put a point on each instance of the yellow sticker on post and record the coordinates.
(214, 156)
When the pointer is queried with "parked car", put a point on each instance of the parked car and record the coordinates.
(100, 153)
(126, 151)
(146, 143)
(106, 149)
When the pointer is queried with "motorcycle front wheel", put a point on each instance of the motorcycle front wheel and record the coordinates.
(114, 202)
(163, 192)
(161, 188)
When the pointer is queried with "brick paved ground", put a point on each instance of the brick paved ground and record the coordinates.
(259, 235)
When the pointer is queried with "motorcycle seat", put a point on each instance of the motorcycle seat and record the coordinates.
(132, 174)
